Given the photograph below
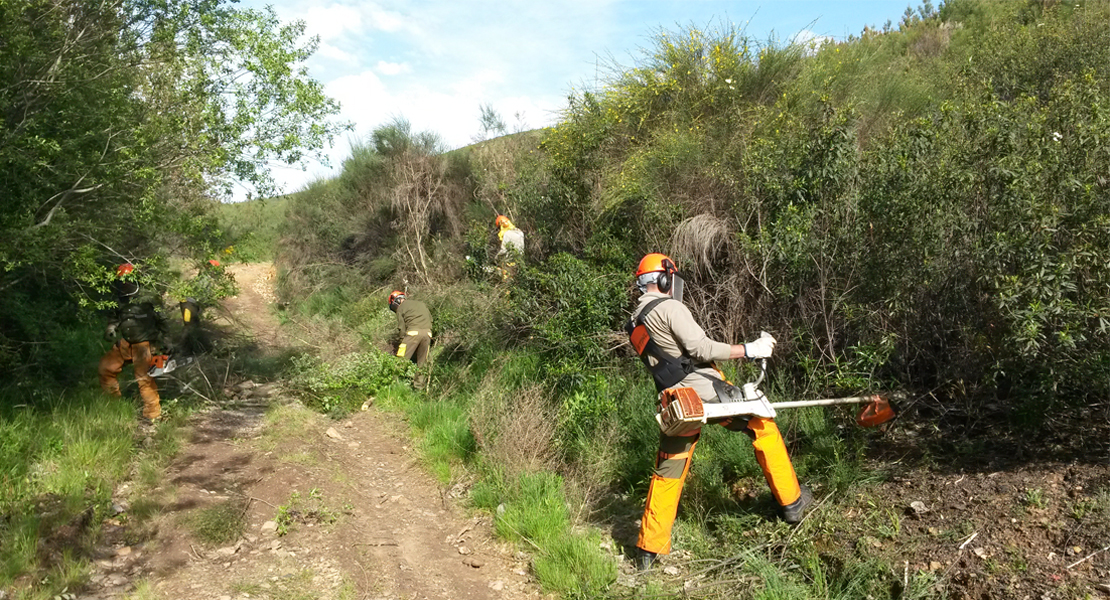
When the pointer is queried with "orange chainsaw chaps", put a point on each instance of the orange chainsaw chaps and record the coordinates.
(770, 452)
(662, 505)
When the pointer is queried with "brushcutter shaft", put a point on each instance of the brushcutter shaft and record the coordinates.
(678, 416)
(825, 402)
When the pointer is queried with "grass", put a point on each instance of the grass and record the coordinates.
(1034, 498)
(144, 590)
(532, 510)
(61, 458)
(57, 458)
(220, 524)
(286, 423)
(309, 510)
(300, 585)
(442, 427)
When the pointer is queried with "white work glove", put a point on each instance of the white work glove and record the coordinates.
(761, 348)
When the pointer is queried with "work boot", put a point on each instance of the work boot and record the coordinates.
(644, 560)
(792, 513)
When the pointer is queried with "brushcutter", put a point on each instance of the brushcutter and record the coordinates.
(682, 411)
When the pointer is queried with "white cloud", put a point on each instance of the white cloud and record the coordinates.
(478, 84)
(387, 20)
(810, 40)
(354, 91)
(331, 21)
(337, 54)
(390, 68)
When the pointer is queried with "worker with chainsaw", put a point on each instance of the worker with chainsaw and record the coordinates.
(415, 322)
(139, 326)
(680, 357)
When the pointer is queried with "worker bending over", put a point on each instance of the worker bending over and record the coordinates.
(512, 246)
(512, 239)
(415, 323)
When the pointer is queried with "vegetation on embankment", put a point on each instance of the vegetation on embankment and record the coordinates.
(921, 209)
(121, 126)
(62, 457)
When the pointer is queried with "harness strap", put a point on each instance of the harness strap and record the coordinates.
(668, 370)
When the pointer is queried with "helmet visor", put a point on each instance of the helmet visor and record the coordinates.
(676, 286)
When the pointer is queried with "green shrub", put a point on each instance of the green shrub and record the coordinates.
(344, 384)
(566, 308)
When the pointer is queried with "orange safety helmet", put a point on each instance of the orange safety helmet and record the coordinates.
(653, 262)
(667, 273)
(395, 298)
(503, 222)
(127, 286)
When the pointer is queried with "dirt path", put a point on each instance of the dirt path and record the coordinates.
(332, 509)
(252, 310)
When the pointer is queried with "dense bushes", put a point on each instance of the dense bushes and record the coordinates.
(122, 125)
(943, 234)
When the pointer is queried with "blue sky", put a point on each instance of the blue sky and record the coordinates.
(436, 62)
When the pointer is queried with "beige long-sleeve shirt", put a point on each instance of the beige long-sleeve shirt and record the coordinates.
(511, 239)
(673, 328)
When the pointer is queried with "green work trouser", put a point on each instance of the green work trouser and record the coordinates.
(414, 346)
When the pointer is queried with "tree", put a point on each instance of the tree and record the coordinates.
(416, 174)
(125, 120)
(492, 124)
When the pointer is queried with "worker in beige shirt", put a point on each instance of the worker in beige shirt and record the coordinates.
(678, 353)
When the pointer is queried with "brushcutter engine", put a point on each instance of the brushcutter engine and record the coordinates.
(681, 410)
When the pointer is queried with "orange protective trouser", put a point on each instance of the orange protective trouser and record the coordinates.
(672, 464)
(111, 364)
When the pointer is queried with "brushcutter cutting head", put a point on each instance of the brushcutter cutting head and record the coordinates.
(875, 413)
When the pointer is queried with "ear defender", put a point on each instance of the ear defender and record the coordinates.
(666, 278)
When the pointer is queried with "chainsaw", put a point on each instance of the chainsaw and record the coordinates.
(681, 410)
(162, 364)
